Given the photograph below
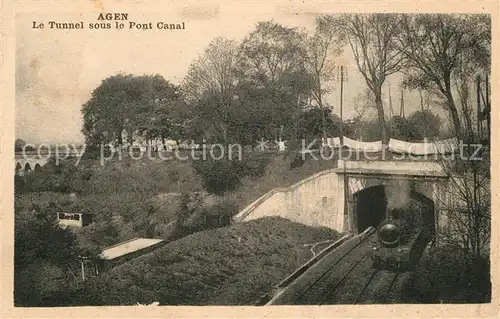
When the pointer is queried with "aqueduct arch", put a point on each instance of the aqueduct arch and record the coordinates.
(27, 164)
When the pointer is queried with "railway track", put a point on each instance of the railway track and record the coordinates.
(349, 278)
(342, 279)
(377, 288)
(352, 280)
(335, 275)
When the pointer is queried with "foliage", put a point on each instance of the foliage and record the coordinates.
(424, 124)
(130, 104)
(436, 47)
(310, 124)
(369, 130)
(443, 276)
(19, 144)
(227, 266)
(209, 87)
(219, 176)
(48, 178)
(271, 66)
(19, 184)
(322, 47)
(43, 254)
(196, 215)
(399, 128)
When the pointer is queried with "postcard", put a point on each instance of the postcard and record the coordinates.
(249, 159)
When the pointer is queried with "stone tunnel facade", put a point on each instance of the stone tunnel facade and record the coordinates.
(328, 198)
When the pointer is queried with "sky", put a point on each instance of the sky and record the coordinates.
(57, 70)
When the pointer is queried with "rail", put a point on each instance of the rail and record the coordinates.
(312, 261)
(291, 288)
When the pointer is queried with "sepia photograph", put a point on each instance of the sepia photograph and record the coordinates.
(204, 157)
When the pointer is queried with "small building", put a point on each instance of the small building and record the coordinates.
(125, 251)
(74, 219)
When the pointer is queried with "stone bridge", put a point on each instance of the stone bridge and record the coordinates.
(27, 164)
(355, 195)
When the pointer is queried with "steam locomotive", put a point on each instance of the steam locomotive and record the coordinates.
(402, 237)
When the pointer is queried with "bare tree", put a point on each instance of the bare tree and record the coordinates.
(435, 47)
(467, 205)
(372, 40)
(323, 47)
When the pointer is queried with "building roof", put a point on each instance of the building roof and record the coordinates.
(77, 212)
(128, 247)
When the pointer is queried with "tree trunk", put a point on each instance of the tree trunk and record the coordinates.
(163, 144)
(452, 107)
(320, 103)
(119, 137)
(381, 115)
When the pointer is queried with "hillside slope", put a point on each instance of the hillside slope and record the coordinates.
(226, 266)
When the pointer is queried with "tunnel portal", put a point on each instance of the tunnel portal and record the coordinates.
(370, 207)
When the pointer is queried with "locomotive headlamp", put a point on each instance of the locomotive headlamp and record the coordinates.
(389, 234)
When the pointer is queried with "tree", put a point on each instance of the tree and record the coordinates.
(435, 46)
(272, 63)
(128, 104)
(443, 53)
(312, 123)
(19, 144)
(162, 113)
(43, 253)
(400, 128)
(209, 87)
(372, 40)
(325, 44)
(467, 207)
(424, 124)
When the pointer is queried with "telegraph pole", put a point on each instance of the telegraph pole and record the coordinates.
(341, 107)
(402, 107)
(478, 97)
(423, 113)
(488, 108)
(83, 270)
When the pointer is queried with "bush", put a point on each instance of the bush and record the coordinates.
(225, 266)
(196, 215)
(219, 176)
(43, 253)
(444, 275)
(19, 184)
(255, 166)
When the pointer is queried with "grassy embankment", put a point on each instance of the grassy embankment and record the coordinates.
(233, 265)
(141, 198)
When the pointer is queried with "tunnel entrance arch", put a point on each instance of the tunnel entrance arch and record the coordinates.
(425, 208)
(370, 206)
